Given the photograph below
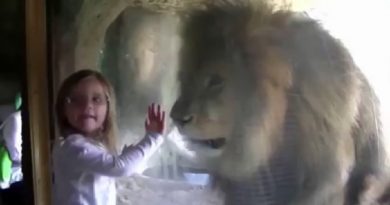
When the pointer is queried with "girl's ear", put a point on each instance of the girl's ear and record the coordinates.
(103, 128)
(106, 120)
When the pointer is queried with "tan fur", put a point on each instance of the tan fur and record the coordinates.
(272, 63)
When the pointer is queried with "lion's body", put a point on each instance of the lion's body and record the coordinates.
(262, 86)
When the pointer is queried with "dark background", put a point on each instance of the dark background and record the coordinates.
(12, 48)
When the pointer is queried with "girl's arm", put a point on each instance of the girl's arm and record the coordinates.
(88, 157)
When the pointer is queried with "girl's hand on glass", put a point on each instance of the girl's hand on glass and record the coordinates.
(155, 119)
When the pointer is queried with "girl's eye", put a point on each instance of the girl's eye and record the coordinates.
(97, 99)
(82, 100)
(75, 100)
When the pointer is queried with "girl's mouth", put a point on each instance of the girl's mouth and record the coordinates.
(87, 116)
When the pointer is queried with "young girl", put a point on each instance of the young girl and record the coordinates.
(85, 159)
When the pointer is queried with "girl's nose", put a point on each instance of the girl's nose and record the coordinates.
(88, 104)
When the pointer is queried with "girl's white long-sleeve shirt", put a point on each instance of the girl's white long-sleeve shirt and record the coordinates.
(84, 171)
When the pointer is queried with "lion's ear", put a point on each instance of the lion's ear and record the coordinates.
(262, 49)
(267, 61)
(275, 68)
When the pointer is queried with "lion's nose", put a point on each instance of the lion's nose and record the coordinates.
(181, 116)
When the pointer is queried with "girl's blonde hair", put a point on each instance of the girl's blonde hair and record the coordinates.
(109, 130)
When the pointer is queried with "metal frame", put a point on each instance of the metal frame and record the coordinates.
(38, 88)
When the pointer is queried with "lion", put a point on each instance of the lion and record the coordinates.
(276, 107)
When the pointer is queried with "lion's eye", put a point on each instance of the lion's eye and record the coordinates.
(214, 82)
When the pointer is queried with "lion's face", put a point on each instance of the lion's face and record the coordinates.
(205, 111)
(229, 111)
(202, 111)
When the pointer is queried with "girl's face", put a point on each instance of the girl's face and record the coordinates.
(86, 106)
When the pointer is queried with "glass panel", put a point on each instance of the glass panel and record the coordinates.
(137, 46)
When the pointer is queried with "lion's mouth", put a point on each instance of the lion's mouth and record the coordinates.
(214, 143)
